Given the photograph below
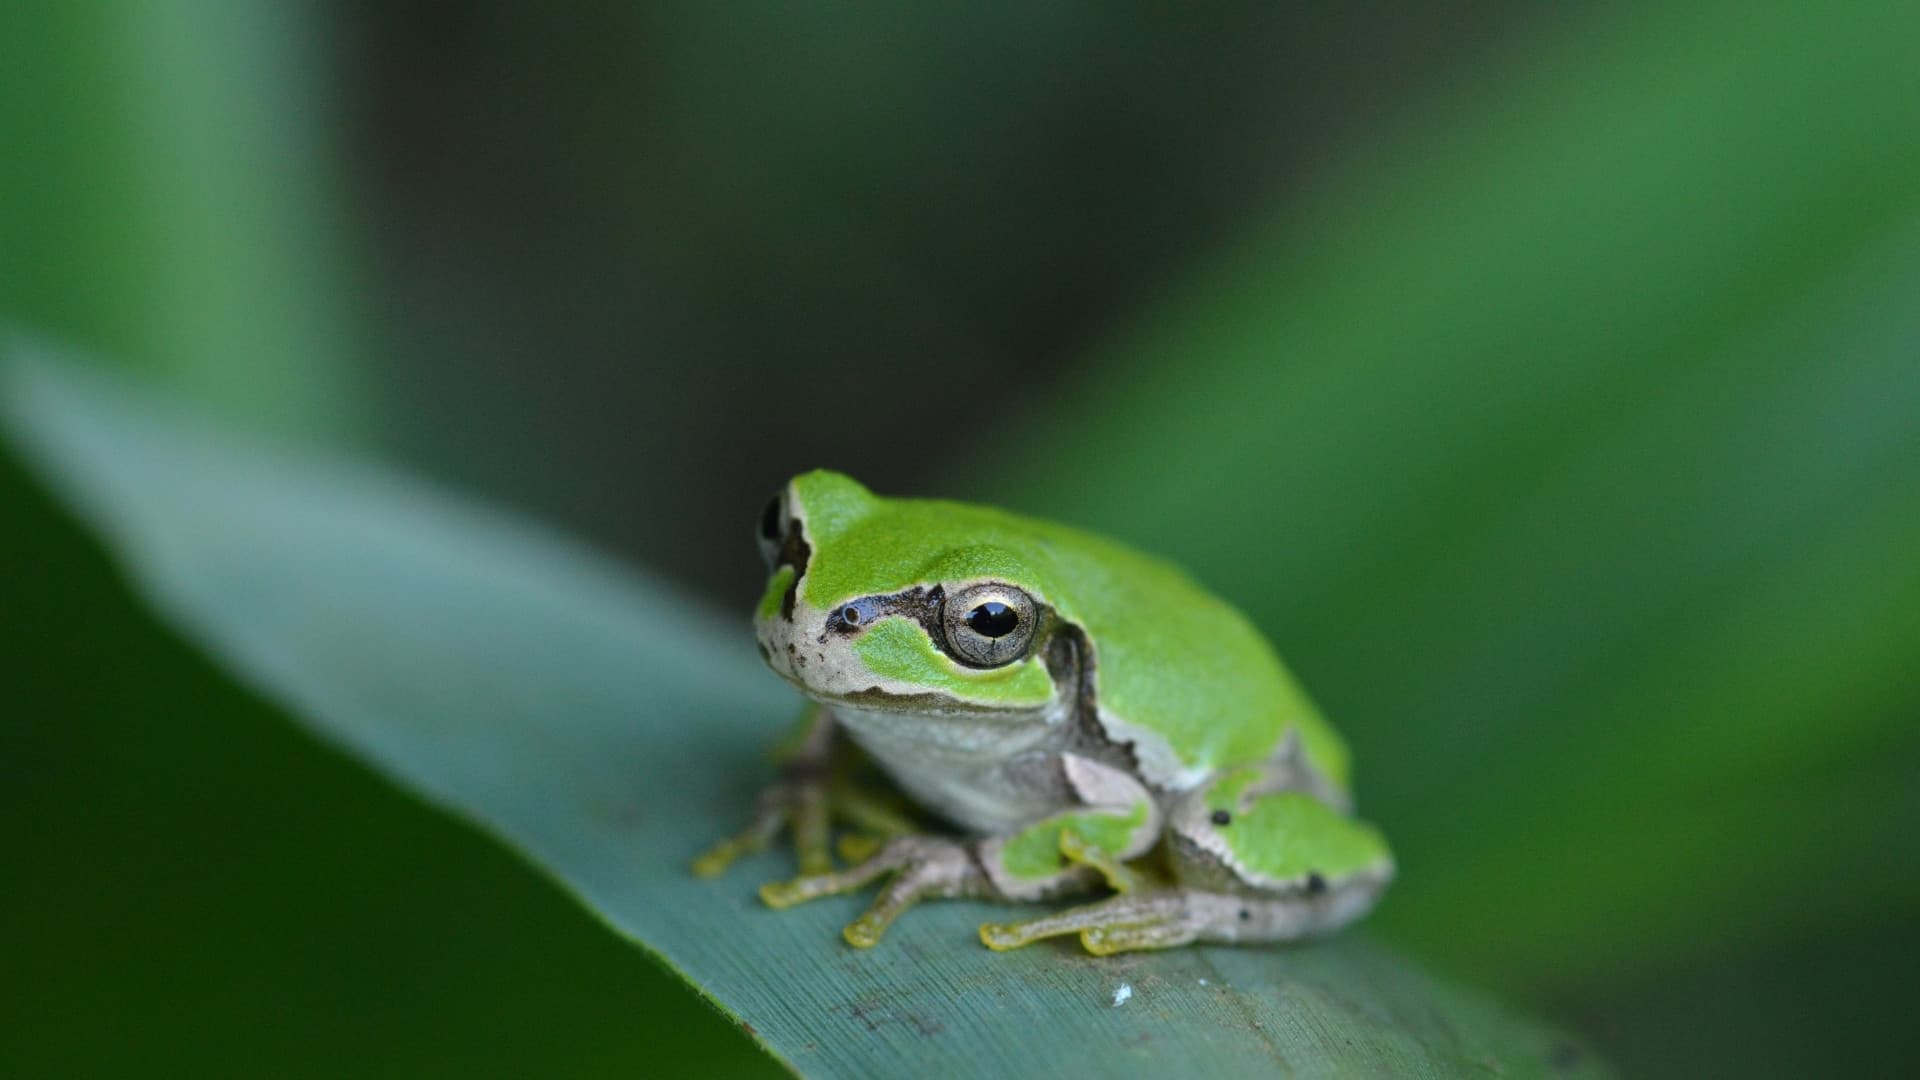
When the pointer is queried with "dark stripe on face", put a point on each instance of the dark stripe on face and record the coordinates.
(919, 603)
(794, 552)
(1070, 659)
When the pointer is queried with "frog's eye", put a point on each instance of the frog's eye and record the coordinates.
(773, 528)
(988, 625)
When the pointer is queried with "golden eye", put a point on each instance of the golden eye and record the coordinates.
(988, 625)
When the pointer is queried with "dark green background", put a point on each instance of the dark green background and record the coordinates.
(1556, 370)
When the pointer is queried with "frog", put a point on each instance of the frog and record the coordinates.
(1086, 719)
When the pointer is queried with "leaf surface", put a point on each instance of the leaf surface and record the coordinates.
(607, 728)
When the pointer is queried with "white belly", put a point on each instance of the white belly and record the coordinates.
(978, 772)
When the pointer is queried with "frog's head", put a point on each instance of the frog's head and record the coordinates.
(906, 605)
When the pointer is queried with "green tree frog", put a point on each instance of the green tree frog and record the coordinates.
(1088, 716)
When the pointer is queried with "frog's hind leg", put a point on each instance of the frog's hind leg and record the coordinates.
(1166, 918)
(1258, 856)
(1153, 920)
(1116, 820)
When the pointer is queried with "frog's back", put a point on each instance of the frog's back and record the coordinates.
(1182, 674)
(1179, 673)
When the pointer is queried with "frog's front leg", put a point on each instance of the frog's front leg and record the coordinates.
(1114, 819)
(815, 786)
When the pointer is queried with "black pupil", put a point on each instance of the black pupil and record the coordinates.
(993, 619)
(770, 519)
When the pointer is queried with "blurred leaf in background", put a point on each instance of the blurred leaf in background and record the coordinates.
(1544, 382)
(196, 889)
(1579, 448)
(683, 230)
(1573, 454)
(170, 192)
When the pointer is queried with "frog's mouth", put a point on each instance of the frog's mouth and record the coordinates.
(871, 697)
(830, 673)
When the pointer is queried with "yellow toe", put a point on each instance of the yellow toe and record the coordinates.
(864, 932)
(1001, 936)
(780, 894)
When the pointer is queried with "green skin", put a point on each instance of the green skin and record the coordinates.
(1074, 704)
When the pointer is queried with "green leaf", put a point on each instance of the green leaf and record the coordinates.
(608, 728)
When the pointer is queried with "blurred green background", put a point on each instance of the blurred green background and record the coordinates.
(1547, 382)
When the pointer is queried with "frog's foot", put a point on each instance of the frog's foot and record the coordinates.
(799, 801)
(808, 800)
(1160, 919)
(922, 867)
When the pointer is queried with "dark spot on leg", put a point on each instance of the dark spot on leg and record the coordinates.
(1316, 884)
(1245, 914)
(1221, 818)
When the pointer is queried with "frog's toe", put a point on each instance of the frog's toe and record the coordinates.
(755, 837)
(905, 890)
(922, 866)
(801, 805)
(785, 894)
(925, 867)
